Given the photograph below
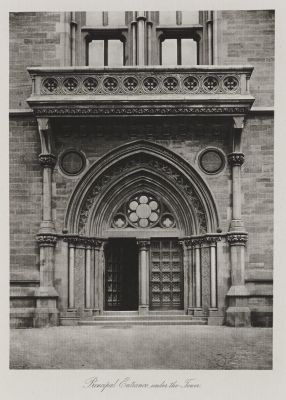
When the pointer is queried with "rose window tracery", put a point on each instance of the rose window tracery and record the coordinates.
(143, 211)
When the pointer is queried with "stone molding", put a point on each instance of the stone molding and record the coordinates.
(166, 172)
(47, 160)
(83, 241)
(237, 238)
(235, 159)
(146, 161)
(47, 240)
(211, 240)
(110, 110)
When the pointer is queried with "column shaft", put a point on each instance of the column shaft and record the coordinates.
(87, 278)
(71, 302)
(141, 39)
(236, 193)
(190, 276)
(213, 277)
(198, 277)
(47, 194)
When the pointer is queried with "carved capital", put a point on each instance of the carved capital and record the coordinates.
(212, 239)
(46, 240)
(43, 124)
(237, 238)
(235, 159)
(197, 241)
(143, 244)
(47, 160)
(83, 241)
(238, 122)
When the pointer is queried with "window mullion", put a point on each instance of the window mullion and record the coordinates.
(179, 52)
(105, 52)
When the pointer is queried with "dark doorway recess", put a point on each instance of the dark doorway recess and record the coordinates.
(121, 275)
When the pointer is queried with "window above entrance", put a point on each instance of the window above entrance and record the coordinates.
(143, 210)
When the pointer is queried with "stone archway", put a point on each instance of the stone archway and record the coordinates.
(133, 171)
(146, 165)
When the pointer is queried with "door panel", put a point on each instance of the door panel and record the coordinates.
(166, 275)
(121, 275)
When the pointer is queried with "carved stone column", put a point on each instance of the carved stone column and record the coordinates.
(98, 276)
(143, 275)
(141, 21)
(238, 313)
(236, 159)
(189, 276)
(47, 161)
(46, 295)
(197, 310)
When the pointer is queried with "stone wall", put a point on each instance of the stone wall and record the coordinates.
(247, 37)
(25, 197)
(34, 41)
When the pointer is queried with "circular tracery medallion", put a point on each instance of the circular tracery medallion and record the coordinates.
(143, 211)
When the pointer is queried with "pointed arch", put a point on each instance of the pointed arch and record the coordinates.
(146, 166)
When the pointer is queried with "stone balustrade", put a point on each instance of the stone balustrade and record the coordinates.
(171, 90)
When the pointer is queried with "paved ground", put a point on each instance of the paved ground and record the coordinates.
(141, 347)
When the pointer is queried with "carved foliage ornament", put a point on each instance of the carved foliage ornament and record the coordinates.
(143, 160)
(144, 110)
(237, 238)
(47, 160)
(198, 241)
(46, 240)
(83, 241)
(235, 159)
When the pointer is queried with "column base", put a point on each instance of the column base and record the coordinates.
(143, 310)
(238, 316)
(45, 317)
(196, 312)
(46, 313)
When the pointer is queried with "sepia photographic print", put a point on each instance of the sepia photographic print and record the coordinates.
(141, 158)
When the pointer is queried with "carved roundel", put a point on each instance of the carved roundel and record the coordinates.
(211, 160)
(143, 211)
(72, 162)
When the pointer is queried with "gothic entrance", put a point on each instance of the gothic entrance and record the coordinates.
(121, 275)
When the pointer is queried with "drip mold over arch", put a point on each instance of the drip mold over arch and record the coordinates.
(147, 167)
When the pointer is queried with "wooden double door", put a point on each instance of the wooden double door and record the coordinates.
(165, 265)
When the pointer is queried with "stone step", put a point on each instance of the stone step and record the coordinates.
(153, 312)
(151, 317)
(120, 313)
(121, 323)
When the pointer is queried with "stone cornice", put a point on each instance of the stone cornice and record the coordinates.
(235, 159)
(47, 110)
